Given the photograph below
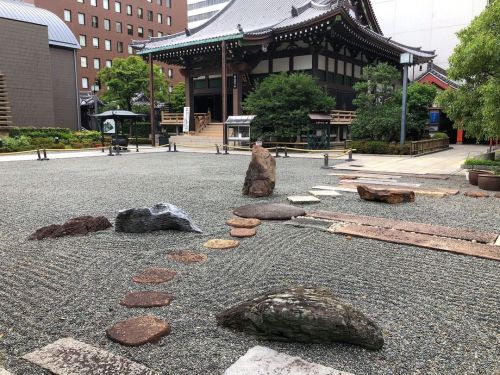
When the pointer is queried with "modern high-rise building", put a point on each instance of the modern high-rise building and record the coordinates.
(199, 11)
(104, 29)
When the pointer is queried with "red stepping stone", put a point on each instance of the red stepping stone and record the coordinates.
(243, 232)
(243, 223)
(138, 331)
(476, 194)
(187, 256)
(146, 299)
(154, 276)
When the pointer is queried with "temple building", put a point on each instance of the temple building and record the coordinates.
(222, 59)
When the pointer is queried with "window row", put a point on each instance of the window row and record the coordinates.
(105, 3)
(107, 44)
(95, 19)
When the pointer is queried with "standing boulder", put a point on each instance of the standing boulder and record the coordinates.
(261, 174)
(301, 314)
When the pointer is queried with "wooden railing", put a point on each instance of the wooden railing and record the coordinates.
(428, 146)
(342, 117)
(171, 118)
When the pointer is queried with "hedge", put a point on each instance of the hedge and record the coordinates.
(380, 147)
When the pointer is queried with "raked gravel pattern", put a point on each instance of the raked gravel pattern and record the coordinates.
(439, 311)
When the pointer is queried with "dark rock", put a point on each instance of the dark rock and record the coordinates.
(243, 223)
(146, 299)
(391, 196)
(138, 331)
(269, 211)
(154, 276)
(186, 256)
(243, 232)
(78, 226)
(261, 174)
(162, 216)
(309, 315)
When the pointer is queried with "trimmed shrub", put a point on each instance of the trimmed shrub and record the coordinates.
(439, 135)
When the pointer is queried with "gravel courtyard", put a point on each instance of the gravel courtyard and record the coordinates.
(439, 311)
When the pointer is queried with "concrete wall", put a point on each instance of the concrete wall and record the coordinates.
(25, 60)
(64, 85)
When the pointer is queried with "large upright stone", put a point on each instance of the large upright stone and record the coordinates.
(162, 216)
(261, 174)
(309, 315)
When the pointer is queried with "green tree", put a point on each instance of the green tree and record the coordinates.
(282, 103)
(475, 62)
(128, 77)
(178, 97)
(379, 105)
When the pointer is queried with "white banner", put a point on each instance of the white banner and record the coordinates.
(185, 120)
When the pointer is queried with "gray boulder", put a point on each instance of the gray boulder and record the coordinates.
(162, 216)
(302, 314)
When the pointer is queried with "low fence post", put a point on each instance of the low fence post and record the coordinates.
(226, 150)
(110, 151)
(39, 156)
(175, 147)
(169, 147)
(325, 162)
(45, 155)
(217, 149)
(286, 153)
(349, 156)
(277, 155)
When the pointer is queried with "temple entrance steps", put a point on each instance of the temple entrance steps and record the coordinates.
(210, 134)
(213, 129)
(5, 114)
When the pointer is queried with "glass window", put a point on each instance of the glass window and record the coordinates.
(140, 13)
(118, 27)
(150, 33)
(109, 63)
(83, 61)
(119, 47)
(97, 63)
(129, 10)
(107, 24)
(95, 22)
(118, 7)
(83, 40)
(169, 21)
(140, 31)
(159, 16)
(130, 50)
(107, 45)
(150, 15)
(168, 3)
(170, 73)
(130, 30)
(105, 4)
(158, 2)
(81, 18)
(160, 33)
(79, 1)
(67, 15)
(85, 83)
(95, 42)
(93, 3)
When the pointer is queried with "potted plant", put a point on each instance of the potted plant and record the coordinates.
(490, 181)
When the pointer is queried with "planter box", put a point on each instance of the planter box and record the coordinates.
(489, 182)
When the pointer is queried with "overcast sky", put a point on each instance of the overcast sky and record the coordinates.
(430, 24)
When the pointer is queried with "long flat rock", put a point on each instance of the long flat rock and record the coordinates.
(408, 226)
(370, 181)
(438, 192)
(365, 175)
(422, 240)
(69, 357)
(334, 188)
(260, 360)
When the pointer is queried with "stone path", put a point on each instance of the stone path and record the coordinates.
(261, 360)
(70, 357)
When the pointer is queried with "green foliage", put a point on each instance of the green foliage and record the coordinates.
(476, 62)
(473, 161)
(439, 135)
(379, 106)
(380, 147)
(142, 128)
(178, 98)
(282, 103)
(128, 77)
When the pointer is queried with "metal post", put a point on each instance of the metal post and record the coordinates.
(217, 149)
(39, 156)
(118, 150)
(277, 155)
(175, 147)
(224, 93)
(403, 111)
(45, 155)
(110, 151)
(349, 157)
(286, 153)
(152, 100)
(169, 147)
(325, 162)
(136, 139)
(225, 150)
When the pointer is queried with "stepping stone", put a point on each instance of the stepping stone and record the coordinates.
(260, 360)
(154, 276)
(324, 193)
(220, 244)
(326, 187)
(138, 331)
(303, 199)
(436, 192)
(497, 195)
(187, 257)
(365, 175)
(379, 182)
(243, 223)
(497, 243)
(476, 194)
(146, 299)
(391, 196)
(68, 357)
(269, 211)
(243, 232)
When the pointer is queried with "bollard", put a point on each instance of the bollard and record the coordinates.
(225, 150)
(349, 157)
(169, 147)
(45, 155)
(286, 153)
(117, 148)
(110, 151)
(175, 147)
(136, 147)
(38, 152)
(217, 149)
(277, 155)
(325, 162)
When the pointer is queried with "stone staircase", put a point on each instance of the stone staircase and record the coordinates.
(5, 114)
(210, 135)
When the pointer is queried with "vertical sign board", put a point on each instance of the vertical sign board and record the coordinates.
(185, 120)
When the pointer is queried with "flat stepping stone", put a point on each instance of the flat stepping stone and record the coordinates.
(476, 194)
(436, 192)
(364, 175)
(325, 193)
(243, 232)
(69, 357)
(187, 257)
(303, 199)
(146, 299)
(154, 276)
(260, 360)
(243, 223)
(220, 244)
(269, 211)
(138, 331)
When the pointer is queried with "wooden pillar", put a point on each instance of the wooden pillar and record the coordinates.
(152, 100)
(224, 92)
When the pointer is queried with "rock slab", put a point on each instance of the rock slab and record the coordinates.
(146, 299)
(386, 196)
(138, 331)
(221, 244)
(243, 223)
(243, 232)
(78, 226)
(69, 357)
(154, 276)
(162, 216)
(260, 360)
(187, 257)
(476, 194)
(303, 314)
(261, 174)
(269, 211)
